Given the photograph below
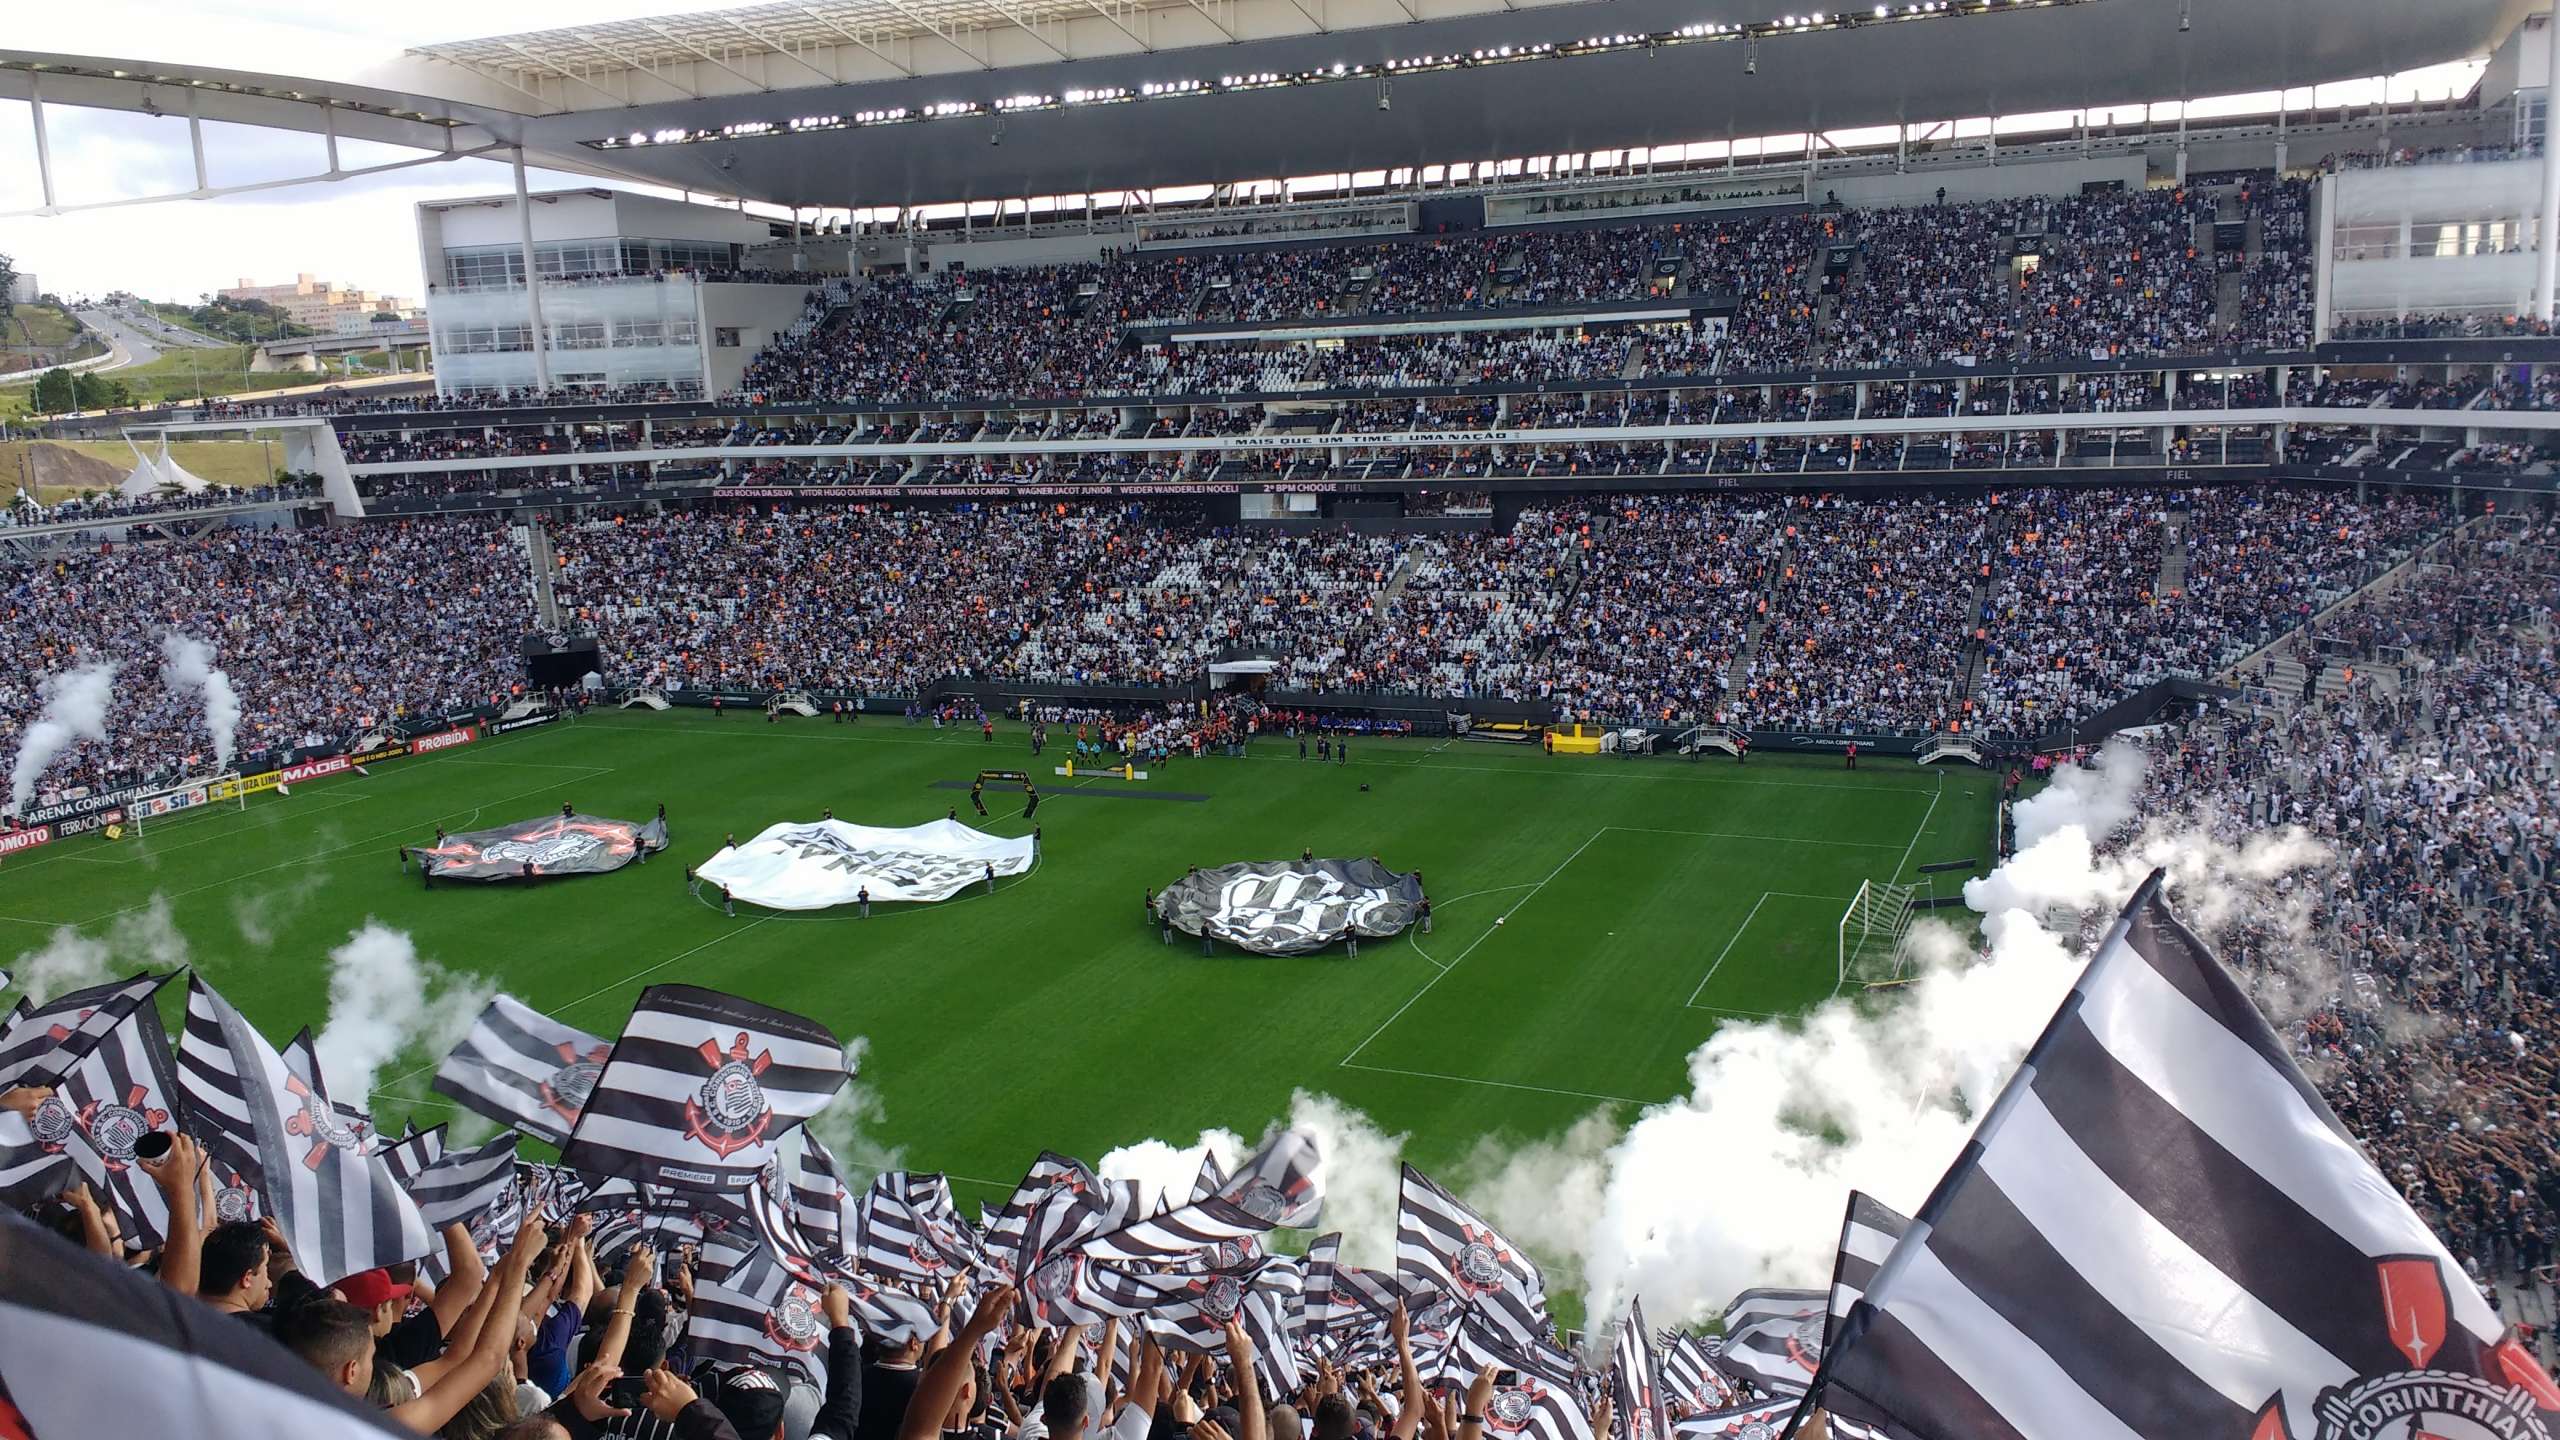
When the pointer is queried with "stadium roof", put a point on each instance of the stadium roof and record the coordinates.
(882, 102)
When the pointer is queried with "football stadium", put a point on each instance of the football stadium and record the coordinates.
(1297, 720)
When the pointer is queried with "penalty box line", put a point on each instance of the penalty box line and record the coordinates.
(1352, 1060)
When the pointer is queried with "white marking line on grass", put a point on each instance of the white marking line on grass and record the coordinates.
(39, 924)
(1498, 1084)
(1441, 905)
(1533, 890)
(1923, 828)
(1766, 839)
(1730, 942)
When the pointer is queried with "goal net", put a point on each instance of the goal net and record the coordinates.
(203, 795)
(1874, 934)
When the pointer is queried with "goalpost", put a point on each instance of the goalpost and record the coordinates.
(201, 795)
(1874, 931)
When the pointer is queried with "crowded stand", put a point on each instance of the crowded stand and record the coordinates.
(328, 634)
(2438, 799)
(2117, 275)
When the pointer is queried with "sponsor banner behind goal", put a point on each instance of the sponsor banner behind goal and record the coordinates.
(13, 841)
(811, 866)
(443, 740)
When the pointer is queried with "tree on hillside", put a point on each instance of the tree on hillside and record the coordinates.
(54, 392)
(92, 391)
(8, 286)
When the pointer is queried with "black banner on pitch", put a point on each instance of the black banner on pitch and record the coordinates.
(553, 845)
(1292, 907)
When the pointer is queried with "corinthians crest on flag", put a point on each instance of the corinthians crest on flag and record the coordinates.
(520, 1067)
(700, 1087)
(2160, 1229)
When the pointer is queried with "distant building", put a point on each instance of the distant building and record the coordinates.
(322, 306)
(636, 290)
(23, 289)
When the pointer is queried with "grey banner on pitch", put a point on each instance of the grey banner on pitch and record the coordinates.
(1292, 907)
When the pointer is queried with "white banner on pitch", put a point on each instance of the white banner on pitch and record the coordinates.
(810, 865)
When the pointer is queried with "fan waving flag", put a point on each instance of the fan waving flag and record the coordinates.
(1210, 1178)
(40, 1041)
(2159, 1229)
(520, 1067)
(1444, 1247)
(700, 1088)
(119, 1090)
(1635, 1382)
(340, 1209)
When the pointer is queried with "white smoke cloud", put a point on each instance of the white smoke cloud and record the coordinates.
(75, 708)
(1165, 1171)
(386, 1000)
(849, 1124)
(2098, 799)
(72, 960)
(187, 664)
(1361, 1168)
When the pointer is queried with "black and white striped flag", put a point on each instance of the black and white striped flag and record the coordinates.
(1755, 1420)
(1639, 1410)
(1008, 1228)
(759, 1313)
(912, 1232)
(93, 1348)
(1544, 1400)
(456, 1187)
(1445, 1248)
(1773, 1338)
(340, 1209)
(821, 1204)
(119, 1089)
(2159, 1229)
(1210, 1178)
(409, 1156)
(39, 1041)
(1867, 1236)
(1277, 1184)
(1690, 1378)
(521, 1067)
(1341, 1296)
(29, 1170)
(1215, 1233)
(302, 1057)
(699, 1089)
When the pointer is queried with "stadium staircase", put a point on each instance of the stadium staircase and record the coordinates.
(1975, 656)
(2173, 557)
(536, 542)
(2283, 674)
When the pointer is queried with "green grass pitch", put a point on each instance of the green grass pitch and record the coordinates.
(1645, 901)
